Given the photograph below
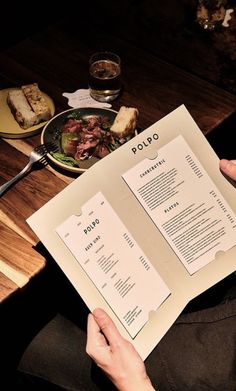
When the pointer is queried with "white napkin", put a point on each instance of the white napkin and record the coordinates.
(227, 17)
(82, 98)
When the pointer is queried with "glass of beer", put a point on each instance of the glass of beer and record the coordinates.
(211, 13)
(104, 76)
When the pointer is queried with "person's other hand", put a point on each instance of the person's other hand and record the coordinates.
(228, 167)
(115, 355)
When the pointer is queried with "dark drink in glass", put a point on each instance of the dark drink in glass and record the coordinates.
(104, 76)
(211, 13)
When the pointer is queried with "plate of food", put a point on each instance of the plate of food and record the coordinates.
(83, 136)
(24, 111)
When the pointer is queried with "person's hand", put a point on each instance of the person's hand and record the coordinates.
(228, 167)
(115, 355)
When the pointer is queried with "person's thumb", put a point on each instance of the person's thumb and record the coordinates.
(107, 326)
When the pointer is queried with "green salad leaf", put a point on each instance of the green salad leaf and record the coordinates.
(72, 115)
(69, 161)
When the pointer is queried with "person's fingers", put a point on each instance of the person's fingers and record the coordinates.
(94, 337)
(92, 327)
(228, 167)
(107, 326)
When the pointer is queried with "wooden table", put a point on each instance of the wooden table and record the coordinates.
(57, 59)
(169, 29)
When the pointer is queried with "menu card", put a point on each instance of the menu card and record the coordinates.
(184, 203)
(146, 229)
(114, 262)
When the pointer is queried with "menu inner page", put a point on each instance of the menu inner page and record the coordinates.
(184, 203)
(114, 262)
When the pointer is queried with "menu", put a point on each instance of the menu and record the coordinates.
(184, 203)
(146, 229)
(114, 262)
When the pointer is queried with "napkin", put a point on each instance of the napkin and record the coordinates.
(227, 17)
(82, 98)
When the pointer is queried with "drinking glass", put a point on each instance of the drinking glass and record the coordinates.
(211, 13)
(104, 76)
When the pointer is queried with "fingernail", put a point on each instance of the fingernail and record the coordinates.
(224, 163)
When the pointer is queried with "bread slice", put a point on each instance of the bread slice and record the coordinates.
(37, 101)
(21, 109)
(125, 122)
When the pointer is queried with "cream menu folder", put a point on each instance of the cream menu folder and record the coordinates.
(107, 177)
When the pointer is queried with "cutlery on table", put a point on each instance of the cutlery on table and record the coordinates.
(37, 155)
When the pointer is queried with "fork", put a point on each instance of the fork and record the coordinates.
(37, 155)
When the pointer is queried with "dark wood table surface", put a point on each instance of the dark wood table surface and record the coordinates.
(57, 59)
(169, 29)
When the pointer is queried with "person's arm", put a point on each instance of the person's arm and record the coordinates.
(115, 355)
(228, 167)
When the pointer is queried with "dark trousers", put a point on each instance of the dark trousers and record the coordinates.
(198, 353)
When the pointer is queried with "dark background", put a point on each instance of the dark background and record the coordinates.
(135, 19)
(166, 28)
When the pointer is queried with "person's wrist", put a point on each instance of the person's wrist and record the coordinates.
(141, 385)
(148, 386)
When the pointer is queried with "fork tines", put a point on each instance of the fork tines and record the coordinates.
(50, 147)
